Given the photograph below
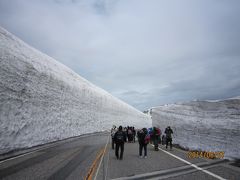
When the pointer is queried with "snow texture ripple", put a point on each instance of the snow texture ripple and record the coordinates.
(41, 100)
(203, 125)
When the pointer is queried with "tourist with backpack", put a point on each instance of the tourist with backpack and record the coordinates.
(156, 134)
(130, 135)
(143, 140)
(168, 132)
(159, 135)
(119, 139)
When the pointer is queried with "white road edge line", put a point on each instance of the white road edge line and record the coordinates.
(193, 165)
(21, 155)
(17, 157)
(106, 172)
(101, 159)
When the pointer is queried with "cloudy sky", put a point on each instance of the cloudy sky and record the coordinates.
(145, 52)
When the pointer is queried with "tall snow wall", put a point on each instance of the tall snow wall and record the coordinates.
(41, 100)
(203, 125)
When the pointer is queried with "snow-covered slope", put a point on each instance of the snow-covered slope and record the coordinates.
(203, 125)
(41, 100)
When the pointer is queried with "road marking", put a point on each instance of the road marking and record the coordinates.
(106, 172)
(193, 165)
(101, 159)
(24, 154)
(17, 157)
(93, 166)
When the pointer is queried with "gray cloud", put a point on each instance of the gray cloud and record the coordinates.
(144, 52)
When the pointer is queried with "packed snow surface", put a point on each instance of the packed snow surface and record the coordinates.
(203, 125)
(41, 100)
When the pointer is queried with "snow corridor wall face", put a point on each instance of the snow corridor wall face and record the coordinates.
(207, 126)
(41, 100)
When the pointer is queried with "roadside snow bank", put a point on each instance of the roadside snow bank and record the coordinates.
(203, 125)
(41, 100)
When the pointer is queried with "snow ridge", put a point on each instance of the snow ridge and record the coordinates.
(203, 125)
(42, 100)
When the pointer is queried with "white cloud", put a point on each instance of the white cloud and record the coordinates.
(190, 48)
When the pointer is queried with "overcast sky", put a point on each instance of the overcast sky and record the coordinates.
(145, 52)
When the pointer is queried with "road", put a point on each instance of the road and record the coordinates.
(73, 159)
(165, 164)
(69, 159)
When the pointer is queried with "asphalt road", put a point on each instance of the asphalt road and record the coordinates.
(69, 159)
(164, 164)
(72, 159)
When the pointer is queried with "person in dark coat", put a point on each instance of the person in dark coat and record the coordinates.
(143, 140)
(168, 132)
(155, 136)
(134, 134)
(119, 139)
(130, 134)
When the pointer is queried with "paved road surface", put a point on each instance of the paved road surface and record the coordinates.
(164, 164)
(73, 158)
(69, 159)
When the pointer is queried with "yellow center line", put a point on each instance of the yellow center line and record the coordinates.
(92, 169)
(102, 159)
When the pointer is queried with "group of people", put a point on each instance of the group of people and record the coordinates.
(156, 138)
(144, 135)
(121, 135)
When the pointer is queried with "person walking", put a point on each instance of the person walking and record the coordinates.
(125, 131)
(168, 132)
(155, 136)
(130, 135)
(143, 140)
(134, 134)
(119, 139)
(113, 131)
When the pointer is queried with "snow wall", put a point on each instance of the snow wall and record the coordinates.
(41, 100)
(203, 125)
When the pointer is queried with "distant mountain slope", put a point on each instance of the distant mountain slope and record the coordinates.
(41, 100)
(206, 125)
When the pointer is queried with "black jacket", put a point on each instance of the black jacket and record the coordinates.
(120, 137)
(168, 132)
(141, 136)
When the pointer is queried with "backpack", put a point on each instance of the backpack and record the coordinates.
(141, 135)
(120, 136)
(129, 131)
(168, 133)
(147, 139)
